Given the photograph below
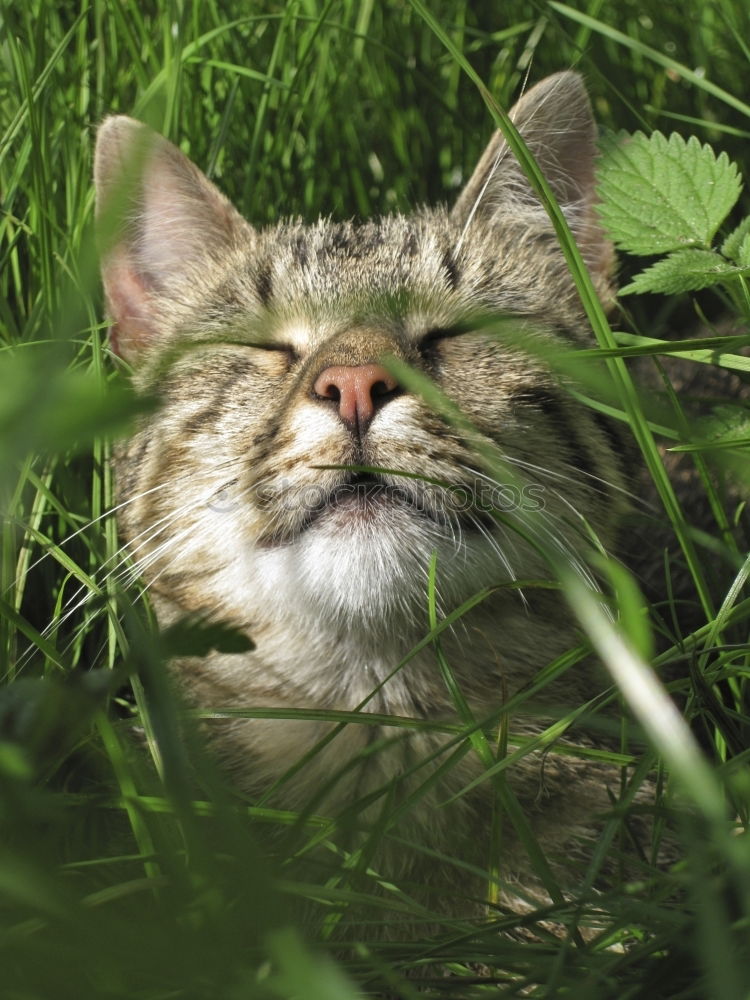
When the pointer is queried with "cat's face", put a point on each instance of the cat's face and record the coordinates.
(273, 354)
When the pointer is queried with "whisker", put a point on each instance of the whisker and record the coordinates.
(85, 527)
(83, 594)
(128, 575)
(113, 510)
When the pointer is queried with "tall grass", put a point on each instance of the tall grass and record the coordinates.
(115, 879)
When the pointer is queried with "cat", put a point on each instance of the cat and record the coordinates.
(292, 484)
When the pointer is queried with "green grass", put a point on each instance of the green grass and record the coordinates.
(115, 881)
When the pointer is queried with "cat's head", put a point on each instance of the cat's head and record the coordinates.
(276, 353)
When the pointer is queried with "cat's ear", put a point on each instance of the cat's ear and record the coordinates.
(557, 124)
(160, 221)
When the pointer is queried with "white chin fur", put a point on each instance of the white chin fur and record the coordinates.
(373, 570)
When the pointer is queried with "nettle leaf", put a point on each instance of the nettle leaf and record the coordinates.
(684, 271)
(743, 255)
(724, 437)
(732, 244)
(659, 194)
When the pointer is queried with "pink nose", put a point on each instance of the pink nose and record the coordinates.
(357, 389)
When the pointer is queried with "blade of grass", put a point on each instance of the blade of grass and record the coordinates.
(606, 31)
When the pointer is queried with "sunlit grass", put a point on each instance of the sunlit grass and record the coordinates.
(126, 874)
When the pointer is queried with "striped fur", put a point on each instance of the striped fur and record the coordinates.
(230, 514)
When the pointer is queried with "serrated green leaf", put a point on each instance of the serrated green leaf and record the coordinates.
(727, 427)
(723, 436)
(726, 419)
(731, 245)
(684, 271)
(743, 256)
(659, 195)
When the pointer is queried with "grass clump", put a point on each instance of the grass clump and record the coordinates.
(115, 879)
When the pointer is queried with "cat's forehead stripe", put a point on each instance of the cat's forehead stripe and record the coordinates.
(264, 284)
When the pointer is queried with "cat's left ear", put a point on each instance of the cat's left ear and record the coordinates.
(162, 223)
(557, 124)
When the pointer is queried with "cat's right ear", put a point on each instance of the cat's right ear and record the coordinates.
(557, 124)
(160, 222)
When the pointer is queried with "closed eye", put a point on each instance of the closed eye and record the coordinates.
(479, 323)
(268, 348)
(268, 345)
(433, 337)
(259, 344)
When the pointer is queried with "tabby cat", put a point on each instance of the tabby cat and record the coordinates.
(296, 484)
